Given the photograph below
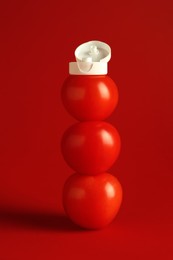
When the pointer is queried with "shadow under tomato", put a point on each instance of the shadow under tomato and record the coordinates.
(36, 220)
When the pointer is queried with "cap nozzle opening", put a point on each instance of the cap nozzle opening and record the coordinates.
(91, 58)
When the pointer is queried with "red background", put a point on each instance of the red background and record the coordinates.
(38, 39)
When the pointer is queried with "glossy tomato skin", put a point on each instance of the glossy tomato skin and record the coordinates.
(92, 201)
(91, 147)
(92, 97)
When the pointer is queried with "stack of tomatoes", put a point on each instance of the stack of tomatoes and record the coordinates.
(91, 196)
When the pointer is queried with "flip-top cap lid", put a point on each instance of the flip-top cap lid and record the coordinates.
(91, 59)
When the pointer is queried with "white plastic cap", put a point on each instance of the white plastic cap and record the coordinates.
(91, 59)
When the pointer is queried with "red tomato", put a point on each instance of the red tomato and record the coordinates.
(91, 147)
(92, 201)
(89, 97)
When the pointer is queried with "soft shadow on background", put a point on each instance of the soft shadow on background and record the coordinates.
(57, 222)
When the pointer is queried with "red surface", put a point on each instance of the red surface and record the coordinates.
(91, 147)
(37, 41)
(90, 97)
(92, 201)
